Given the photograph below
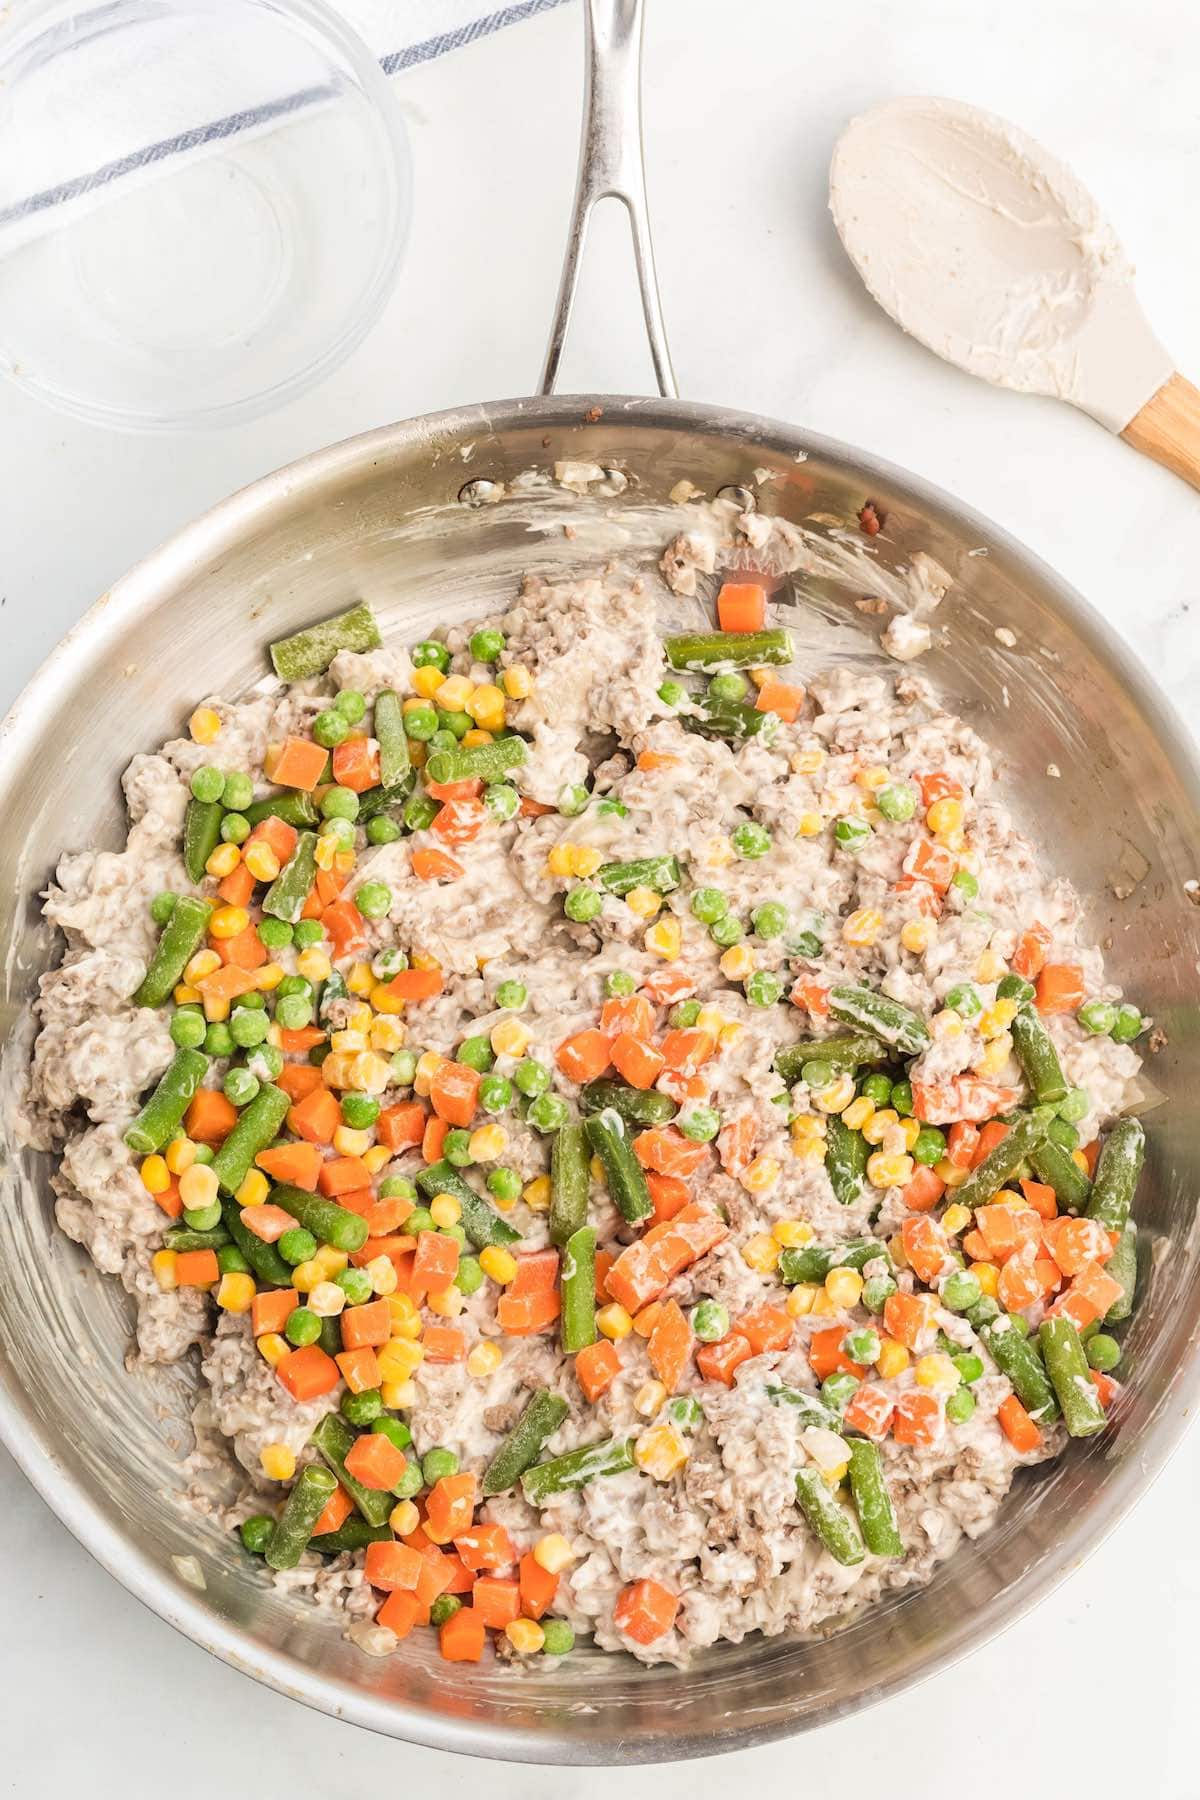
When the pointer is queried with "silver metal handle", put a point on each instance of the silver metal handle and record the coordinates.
(611, 168)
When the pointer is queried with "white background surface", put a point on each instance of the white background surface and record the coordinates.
(743, 101)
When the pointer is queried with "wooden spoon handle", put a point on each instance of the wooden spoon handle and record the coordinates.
(1168, 429)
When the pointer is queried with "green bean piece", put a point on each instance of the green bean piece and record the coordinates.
(569, 1183)
(576, 1469)
(658, 872)
(264, 1259)
(886, 1019)
(1038, 1058)
(1017, 1357)
(732, 719)
(1015, 987)
(809, 1409)
(301, 1510)
(627, 1187)
(310, 652)
(1122, 1266)
(814, 1261)
(637, 1106)
(846, 1153)
(1067, 1367)
(182, 1237)
(160, 1116)
(328, 1222)
(380, 800)
(334, 1439)
(1058, 1169)
(352, 1534)
(330, 1335)
(578, 1323)
(287, 893)
(333, 990)
(485, 762)
(257, 1125)
(201, 835)
(831, 1522)
(728, 649)
(844, 1054)
(523, 1445)
(1001, 1164)
(291, 805)
(1117, 1171)
(873, 1502)
(181, 937)
(482, 1225)
(390, 735)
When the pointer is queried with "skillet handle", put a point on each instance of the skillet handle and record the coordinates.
(610, 167)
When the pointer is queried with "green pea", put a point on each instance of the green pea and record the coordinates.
(388, 962)
(394, 1430)
(266, 1061)
(505, 1184)
(862, 1345)
(805, 943)
(188, 1029)
(750, 839)
(728, 687)
(960, 1405)
(362, 1409)
(708, 905)
(230, 1261)
(699, 1123)
(851, 834)
(469, 1278)
(374, 900)
(963, 1000)
(548, 1113)
(202, 1218)
(352, 705)
(456, 723)
(419, 1219)
(457, 1233)
(421, 723)
(877, 1089)
(969, 1366)
(208, 784)
(204, 1153)
(930, 1146)
(838, 1388)
(558, 1638)
(572, 800)
(1097, 1016)
(960, 1291)
(330, 729)
(532, 1078)
(437, 1463)
(726, 931)
(582, 904)
(486, 644)
(476, 1053)
(495, 1093)
(293, 1012)
(877, 1291)
(770, 920)
(218, 1040)
(234, 828)
(897, 802)
(240, 1087)
(686, 1412)
(397, 1187)
(382, 830)
(303, 1325)
(764, 988)
(816, 1073)
(340, 803)
(419, 812)
(248, 1026)
(1103, 1352)
(294, 985)
(251, 1002)
(609, 807)
(256, 1532)
(410, 1483)
(356, 1285)
(965, 883)
(297, 1246)
(710, 1321)
(502, 801)
(276, 934)
(1074, 1106)
(162, 906)
(338, 832)
(672, 693)
(404, 1068)
(618, 984)
(1019, 1323)
(1128, 1025)
(983, 1312)
(237, 792)
(444, 1608)
(683, 1015)
(360, 1111)
(456, 1148)
(431, 655)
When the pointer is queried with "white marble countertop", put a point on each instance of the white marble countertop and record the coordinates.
(743, 105)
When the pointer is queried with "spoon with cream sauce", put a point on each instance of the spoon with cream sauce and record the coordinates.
(990, 251)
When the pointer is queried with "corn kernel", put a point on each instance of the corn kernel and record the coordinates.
(936, 1371)
(761, 1252)
(198, 1186)
(536, 1193)
(498, 1264)
(990, 967)
(268, 978)
(792, 1234)
(261, 861)
(660, 1452)
(324, 853)
(799, 1302)
(877, 1125)
(331, 1262)
(525, 1635)
(399, 1359)
(884, 1170)
(204, 725)
(510, 1037)
(228, 922)
(916, 935)
(404, 1318)
(306, 1275)
(643, 901)
(517, 682)
(665, 938)
(488, 1142)
(718, 852)
(347, 1042)
(370, 1074)
(907, 1133)
(1080, 1161)
(585, 860)
(326, 1299)
(650, 1397)
(360, 979)
(205, 962)
(612, 1322)
(179, 1155)
(737, 962)
(397, 1395)
(844, 1287)
(216, 1010)
(376, 1158)
(807, 762)
(863, 926)
(486, 706)
(348, 1141)
(996, 1018)
(988, 1277)
(381, 1271)
(837, 1096)
(445, 1210)
(235, 1291)
(811, 825)
(277, 1461)
(387, 1035)
(808, 1125)
(945, 816)
(156, 1177)
(995, 1056)
(731, 1034)
(223, 861)
(893, 1358)
(272, 1348)
(553, 1553)
(183, 995)
(453, 694)
(955, 1219)
(476, 735)
(404, 1518)
(428, 680)
(484, 1359)
(810, 1150)
(950, 1173)
(859, 1113)
(760, 1177)
(559, 860)
(447, 1303)
(162, 1264)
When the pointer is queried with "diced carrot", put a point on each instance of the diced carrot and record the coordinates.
(444, 1344)
(930, 862)
(645, 1611)
(963, 1097)
(296, 1080)
(687, 1049)
(245, 951)
(826, 1356)
(210, 1117)
(1047, 1274)
(666, 985)
(521, 1315)
(604, 1262)
(1091, 1156)
(370, 1323)
(926, 1247)
(268, 1223)
(297, 1042)
(923, 1189)
(1008, 1229)
(403, 1267)
(667, 1152)
(436, 865)
(975, 1246)
(670, 1344)
(396, 1247)
(534, 809)
(918, 1418)
(1019, 1285)
(461, 1578)
(399, 1127)
(1017, 1425)
(196, 1268)
(735, 1143)
(437, 1572)
(781, 697)
(962, 1141)
(416, 984)
(313, 906)
(454, 1092)
(360, 1369)
(537, 1272)
(643, 1269)
(237, 888)
(342, 1174)
(225, 983)
(650, 760)
(627, 1012)
(335, 1512)
(460, 821)
(327, 886)
(470, 789)
(640, 1064)
(356, 764)
(869, 1410)
(401, 1611)
(433, 1137)
(435, 1264)
(279, 837)
(299, 763)
(537, 1587)
(485, 1547)
(906, 1318)
(390, 1565)
(344, 928)
(1029, 957)
(1041, 1198)
(991, 1134)
(1088, 1298)
(451, 1503)
(597, 1367)
(668, 1193)
(741, 606)
(765, 1328)
(938, 786)
(307, 1373)
(299, 1164)
(583, 1057)
(316, 1117)
(462, 1638)
(375, 1461)
(271, 1309)
(720, 1361)
(1074, 1243)
(1107, 1390)
(1060, 988)
(170, 1199)
(497, 1600)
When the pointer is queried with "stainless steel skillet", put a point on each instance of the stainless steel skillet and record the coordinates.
(381, 517)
